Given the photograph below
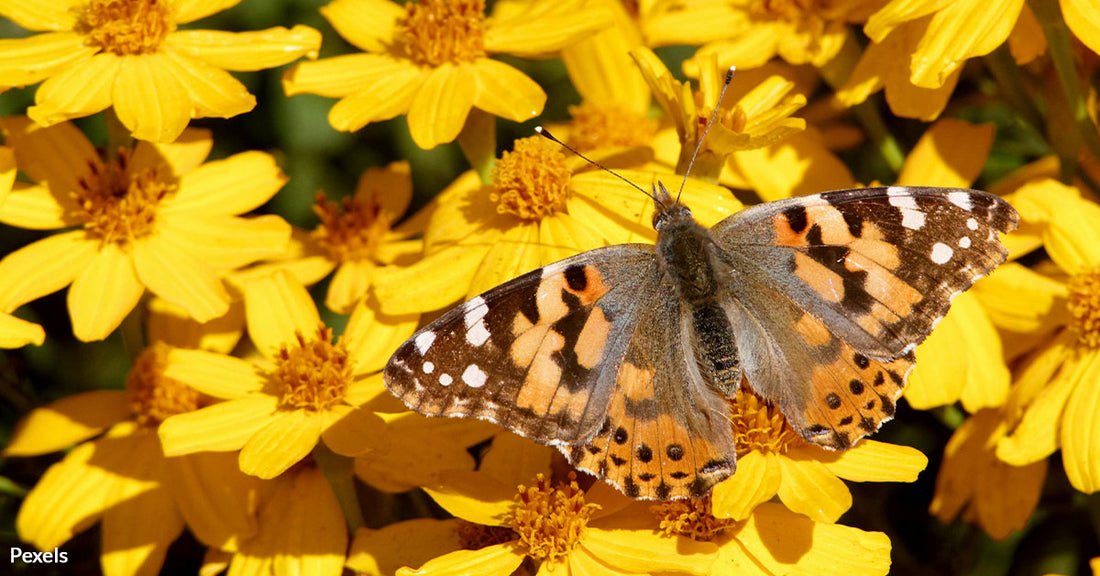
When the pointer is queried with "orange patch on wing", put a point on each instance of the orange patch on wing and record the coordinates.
(785, 235)
(828, 284)
(813, 332)
(571, 403)
(548, 299)
(877, 251)
(594, 288)
(592, 339)
(897, 296)
(834, 230)
(635, 383)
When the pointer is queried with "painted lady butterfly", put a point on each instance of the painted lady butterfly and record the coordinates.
(624, 356)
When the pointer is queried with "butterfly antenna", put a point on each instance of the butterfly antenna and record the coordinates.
(713, 115)
(546, 134)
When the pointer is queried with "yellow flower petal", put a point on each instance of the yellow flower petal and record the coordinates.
(797, 166)
(278, 307)
(757, 480)
(1022, 300)
(809, 488)
(15, 332)
(350, 431)
(182, 156)
(644, 551)
(1072, 237)
(408, 543)
(340, 76)
(515, 253)
(68, 421)
(27, 61)
(873, 461)
(367, 24)
(368, 389)
(173, 273)
(371, 336)
(385, 98)
(246, 51)
(68, 498)
(349, 285)
(782, 542)
(749, 49)
(440, 107)
(416, 289)
(137, 532)
(37, 208)
(213, 91)
(77, 91)
(314, 539)
(562, 236)
(218, 428)
(217, 517)
(1026, 41)
(43, 267)
(191, 10)
(149, 99)
(1037, 434)
(1080, 16)
(282, 442)
(103, 293)
(600, 66)
(415, 451)
(473, 496)
(506, 92)
(496, 559)
(214, 374)
(950, 154)
(226, 243)
(58, 157)
(543, 27)
(1081, 426)
(233, 185)
(41, 15)
(893, 14)
(960, 30)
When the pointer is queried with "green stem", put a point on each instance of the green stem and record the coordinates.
(478, 141)
(340, 473)
(1060, 48)
(1005, 71)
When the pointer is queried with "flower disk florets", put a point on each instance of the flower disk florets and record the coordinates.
(532, 181)
(1084, 305)
(691, 518)
(550, 522)
(438, 32)
(759, 426)
(315, 373)
(120, 205)
(127, 27)
(350, 230)
(154, 397)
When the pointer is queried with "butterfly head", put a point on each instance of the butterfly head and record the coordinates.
(667, 209)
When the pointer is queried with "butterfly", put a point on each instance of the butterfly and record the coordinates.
(624, 356)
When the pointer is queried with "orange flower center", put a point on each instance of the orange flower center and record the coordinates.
(119, 205)
(759, 426)
(127, 27)
(154, 397)
(601, 127)
(473, 536)
(531, 181)
(691, 518)
(550, 522)
(789, 10)
(315, 373)
(442, 31)
(1084, 304)
(351, 229)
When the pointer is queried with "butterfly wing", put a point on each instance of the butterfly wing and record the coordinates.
(837, 289)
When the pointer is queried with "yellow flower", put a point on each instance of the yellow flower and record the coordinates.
(773, 460)
(16, 332)
(152, 217)
(773, 540)
(302, 389)
(760, 117)
(129, 54)
(1056, 394)
(429, 59)
(566, 529)
(541, 208)
(121, 476)
(997, 496)
(799, 31)
(300, 528)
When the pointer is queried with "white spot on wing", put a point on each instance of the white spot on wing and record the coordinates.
(912, 217)
(960, 199)
(971, 223)
(897, 191)
(477, 334)
(941, 253)
(429, 367)
(445, 379)
(475, 311)
(964, 242)
(424, 341)
(474, 377)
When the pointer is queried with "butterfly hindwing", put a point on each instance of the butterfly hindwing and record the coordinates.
(529, 354)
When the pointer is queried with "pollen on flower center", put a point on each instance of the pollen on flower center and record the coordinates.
(442, 31)
(120, 205)
(154, 397)
(531, 181)
(350, 230)
(1084, 304)
(604, 126)
(759, 426)
(550, 522)
(314, 372)
(691, 518)
(127, 27)
(473, 536)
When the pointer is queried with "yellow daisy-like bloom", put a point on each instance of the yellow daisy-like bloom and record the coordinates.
(799, 31)
(304, 387)
(542, 207)
(430, 59)
(773, 541)
(1057, 389)
(14, 332)
(566, 529)
(997, 496)
(153, 217)
(773, 460)
(121, 477)
(129, 54)
(760, 117)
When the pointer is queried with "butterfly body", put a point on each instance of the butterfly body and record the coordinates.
(624, 356)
